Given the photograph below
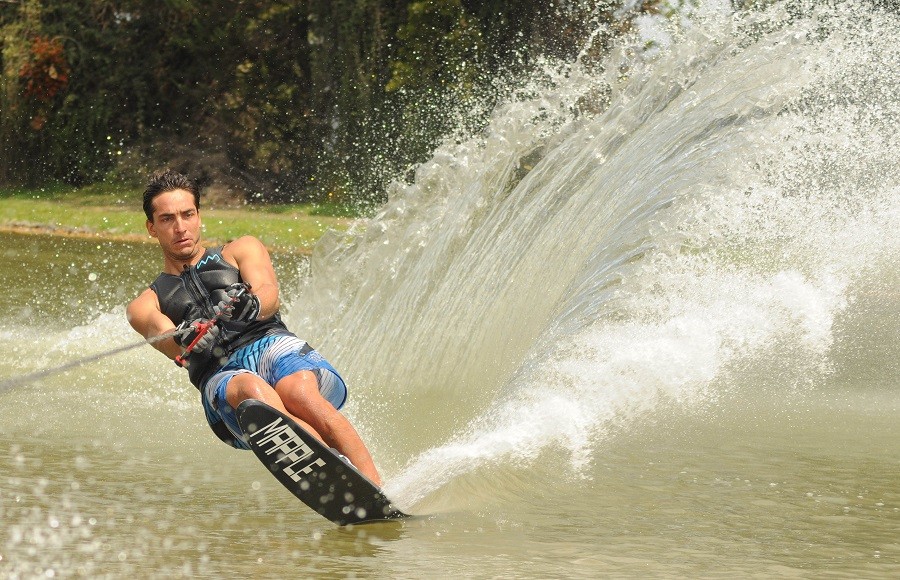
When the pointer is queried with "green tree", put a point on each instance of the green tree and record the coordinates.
(351, 45)
(284, 99)
(19, 24)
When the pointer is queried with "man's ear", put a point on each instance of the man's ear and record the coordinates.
(150, 229)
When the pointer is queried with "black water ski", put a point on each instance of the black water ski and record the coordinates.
(310, 470)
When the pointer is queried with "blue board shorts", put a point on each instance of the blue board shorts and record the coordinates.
(271, 358)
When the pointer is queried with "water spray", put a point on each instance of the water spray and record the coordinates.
(7, 384)
(202, 327)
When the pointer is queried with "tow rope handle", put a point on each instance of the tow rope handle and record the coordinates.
(203, 327)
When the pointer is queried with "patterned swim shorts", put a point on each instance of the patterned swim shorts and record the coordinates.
(271, 358)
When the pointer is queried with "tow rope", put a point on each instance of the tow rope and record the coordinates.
(203, 328)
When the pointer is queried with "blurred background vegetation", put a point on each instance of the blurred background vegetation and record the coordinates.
(266, 101)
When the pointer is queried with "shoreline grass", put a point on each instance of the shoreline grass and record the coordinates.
(114, 212)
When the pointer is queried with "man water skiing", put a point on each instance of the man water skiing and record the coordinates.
(246, 351)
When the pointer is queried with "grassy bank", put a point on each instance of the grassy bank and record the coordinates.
(114, 212)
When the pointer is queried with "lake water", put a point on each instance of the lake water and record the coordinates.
(651, 337)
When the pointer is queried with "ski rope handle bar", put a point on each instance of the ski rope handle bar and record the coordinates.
(203, 327)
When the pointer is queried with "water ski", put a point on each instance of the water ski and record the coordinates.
(310, 470)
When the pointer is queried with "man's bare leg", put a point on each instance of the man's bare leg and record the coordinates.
(300, 395)
(249, 386)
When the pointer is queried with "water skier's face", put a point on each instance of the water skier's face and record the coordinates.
(176, 224)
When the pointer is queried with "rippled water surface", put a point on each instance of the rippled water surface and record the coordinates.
(650, 337)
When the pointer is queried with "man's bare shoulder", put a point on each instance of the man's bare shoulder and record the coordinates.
(244, 247)
(243, 243)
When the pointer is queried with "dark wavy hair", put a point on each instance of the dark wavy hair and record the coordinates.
(168, 180)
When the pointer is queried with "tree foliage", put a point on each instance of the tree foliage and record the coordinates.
(274, 99)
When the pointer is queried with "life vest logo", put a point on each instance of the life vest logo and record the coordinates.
(294, 454)
(207, 259)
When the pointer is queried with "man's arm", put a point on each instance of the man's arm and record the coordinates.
(145, 317)
(250, 256)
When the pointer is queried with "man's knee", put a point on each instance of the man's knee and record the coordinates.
(247, 386)
(300, 391)
(300, 382)
(318, 389)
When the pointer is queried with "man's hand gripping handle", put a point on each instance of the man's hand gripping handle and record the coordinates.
(203, 327)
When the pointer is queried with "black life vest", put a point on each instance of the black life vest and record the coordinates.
(193, 293)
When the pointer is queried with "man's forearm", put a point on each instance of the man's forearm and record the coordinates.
(268, 299)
